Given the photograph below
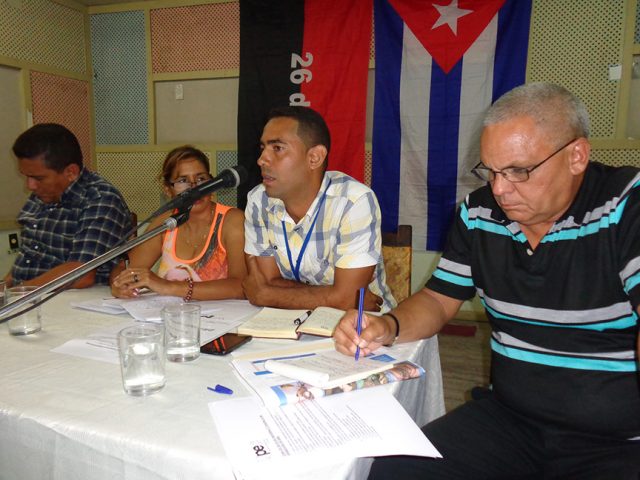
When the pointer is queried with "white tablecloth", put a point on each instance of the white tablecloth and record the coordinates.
(65, 417)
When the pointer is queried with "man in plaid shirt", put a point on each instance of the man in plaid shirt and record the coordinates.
(72, 216)
(313, 236)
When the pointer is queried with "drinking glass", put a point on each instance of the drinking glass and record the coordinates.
(142, 359)
(29, 322)
(182, 327)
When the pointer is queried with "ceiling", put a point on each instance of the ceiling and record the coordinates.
(92, 3)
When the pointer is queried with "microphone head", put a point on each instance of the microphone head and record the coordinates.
(237, 176)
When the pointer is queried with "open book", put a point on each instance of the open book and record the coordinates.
(276, 389)
(283, 323)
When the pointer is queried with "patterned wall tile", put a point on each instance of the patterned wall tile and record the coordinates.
(226, 159)
(118, 51)
(568, 52)
(43, 32)
(195, 38)
(637, 33)
(62, 100)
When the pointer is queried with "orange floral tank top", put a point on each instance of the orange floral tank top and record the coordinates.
(210, 264)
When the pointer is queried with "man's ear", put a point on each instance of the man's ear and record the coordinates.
(580, 154)
(316, 156)
(72, 172)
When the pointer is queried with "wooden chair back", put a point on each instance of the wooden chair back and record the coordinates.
(396, 251)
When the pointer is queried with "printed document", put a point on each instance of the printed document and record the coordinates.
(147, 307)
(260, 441)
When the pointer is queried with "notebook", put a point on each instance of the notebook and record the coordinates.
(283, 323)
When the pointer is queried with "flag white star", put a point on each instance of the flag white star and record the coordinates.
(449, 15)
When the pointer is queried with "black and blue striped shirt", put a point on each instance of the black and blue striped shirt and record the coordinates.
(564, 317)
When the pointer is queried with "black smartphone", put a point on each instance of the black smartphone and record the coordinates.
(225, 344)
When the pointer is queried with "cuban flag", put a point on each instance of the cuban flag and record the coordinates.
(439, 65)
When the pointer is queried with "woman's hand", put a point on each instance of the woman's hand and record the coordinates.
(131, 280)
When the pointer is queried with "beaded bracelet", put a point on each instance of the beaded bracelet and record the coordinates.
(189, 294)
(397, 322)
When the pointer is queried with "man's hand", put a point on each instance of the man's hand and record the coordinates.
(374, 331)
(255, 283)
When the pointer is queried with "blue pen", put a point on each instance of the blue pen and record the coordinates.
(221, 389)
(359, 324)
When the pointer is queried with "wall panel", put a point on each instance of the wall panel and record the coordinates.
(12, 187)
(616, 157)
(207, 112)
(226, 159)
(44, 33)
(118, 52)
(573, 42)
(196, 38)
(136, 175)
(57, 99)
(637, 31)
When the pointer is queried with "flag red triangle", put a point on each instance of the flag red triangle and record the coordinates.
(443, 44)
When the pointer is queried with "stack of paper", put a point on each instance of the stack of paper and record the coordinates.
(295, 440)
(147, 307)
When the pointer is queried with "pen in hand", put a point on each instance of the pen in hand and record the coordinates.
(359, 322)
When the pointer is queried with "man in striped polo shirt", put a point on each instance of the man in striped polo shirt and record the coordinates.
(552, 247)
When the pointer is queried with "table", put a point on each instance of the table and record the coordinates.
(65, 417)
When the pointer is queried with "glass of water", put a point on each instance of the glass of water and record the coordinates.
(182, 328)
(29, 322)
(142, 358)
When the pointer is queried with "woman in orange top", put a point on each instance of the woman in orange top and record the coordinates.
(202, 259)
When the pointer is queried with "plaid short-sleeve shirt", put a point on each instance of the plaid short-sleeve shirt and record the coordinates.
(346, 233)
(90, 218)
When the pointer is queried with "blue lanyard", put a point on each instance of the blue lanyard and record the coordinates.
(296, 269)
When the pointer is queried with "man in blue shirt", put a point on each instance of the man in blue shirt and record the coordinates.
(72, 216)
(551, 245)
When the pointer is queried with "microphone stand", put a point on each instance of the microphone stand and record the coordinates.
(169, 224)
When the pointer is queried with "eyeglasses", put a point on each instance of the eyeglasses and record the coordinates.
(513, 174)
(183, 183)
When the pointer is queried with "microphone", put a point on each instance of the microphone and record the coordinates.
(228, 178)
